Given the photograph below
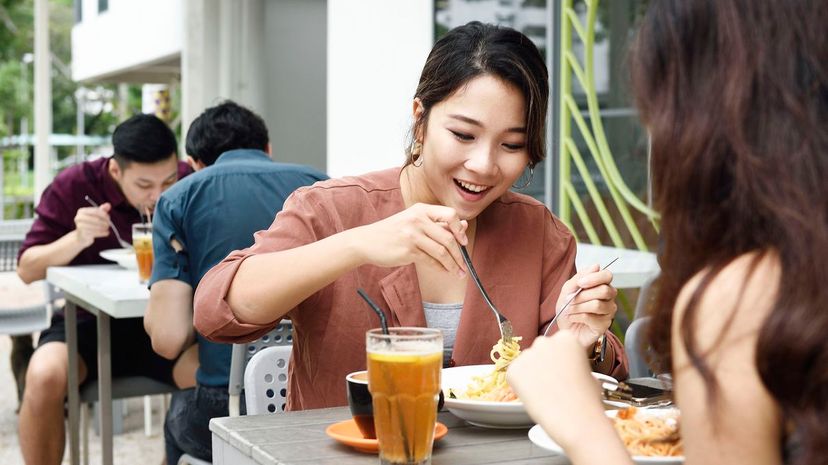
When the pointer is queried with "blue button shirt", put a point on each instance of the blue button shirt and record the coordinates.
(212, 213)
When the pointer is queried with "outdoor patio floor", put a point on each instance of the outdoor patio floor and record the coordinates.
(130, 448)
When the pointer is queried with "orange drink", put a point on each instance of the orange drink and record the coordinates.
(404, 379)
(142, 242)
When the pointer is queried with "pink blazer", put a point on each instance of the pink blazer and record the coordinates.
(522, 253)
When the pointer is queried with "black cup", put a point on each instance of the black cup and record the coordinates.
(361, 404)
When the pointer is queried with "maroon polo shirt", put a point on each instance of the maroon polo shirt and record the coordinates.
(65, 195)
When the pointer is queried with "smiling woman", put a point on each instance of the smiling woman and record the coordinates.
(479, 113)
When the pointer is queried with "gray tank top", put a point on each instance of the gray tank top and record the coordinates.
(445, 317)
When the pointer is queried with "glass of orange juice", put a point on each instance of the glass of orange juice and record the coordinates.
(404, 381)
(142, 242)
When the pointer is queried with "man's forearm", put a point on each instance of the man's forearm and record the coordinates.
(169, 317)
(36, 259)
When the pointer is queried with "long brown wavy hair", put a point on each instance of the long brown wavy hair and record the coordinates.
(735, 96)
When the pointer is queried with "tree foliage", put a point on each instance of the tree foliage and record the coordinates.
(16, 74)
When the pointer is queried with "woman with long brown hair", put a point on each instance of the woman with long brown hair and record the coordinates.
(735, 96)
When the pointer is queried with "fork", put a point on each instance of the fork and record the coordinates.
(123, 243)
(503, 323)
(566, 305)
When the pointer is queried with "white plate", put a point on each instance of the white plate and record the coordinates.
(123, 257)
(488, 414)
(539, 437)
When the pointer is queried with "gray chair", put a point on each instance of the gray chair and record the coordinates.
(27, 319)
(638, 352)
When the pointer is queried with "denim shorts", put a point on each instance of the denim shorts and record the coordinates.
(187, 426)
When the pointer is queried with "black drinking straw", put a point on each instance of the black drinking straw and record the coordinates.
(376, 309)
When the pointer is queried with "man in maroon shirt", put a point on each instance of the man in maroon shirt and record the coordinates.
(68, 231)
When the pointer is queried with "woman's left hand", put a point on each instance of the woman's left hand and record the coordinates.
(552, 379)
(591, 313)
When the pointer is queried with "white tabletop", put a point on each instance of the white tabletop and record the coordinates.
(632, 269)
(109, 288)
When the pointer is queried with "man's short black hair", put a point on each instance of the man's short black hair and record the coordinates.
(224, 127)
(143, 139)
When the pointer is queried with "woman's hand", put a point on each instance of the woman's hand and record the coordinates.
(591, 313)
(552, 379)
(422, 232)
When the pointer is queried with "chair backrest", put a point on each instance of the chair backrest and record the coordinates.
(281, 335)
(637, 351)
(634, 339)
(265, 380)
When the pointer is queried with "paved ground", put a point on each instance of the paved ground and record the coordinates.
(131, 447)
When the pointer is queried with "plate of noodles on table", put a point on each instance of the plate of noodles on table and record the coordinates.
(650, 435)
(480, 395)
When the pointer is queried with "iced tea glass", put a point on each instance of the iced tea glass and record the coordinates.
(142, 242)
(404, 380)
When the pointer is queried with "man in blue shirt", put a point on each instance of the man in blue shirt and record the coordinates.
(237, 190)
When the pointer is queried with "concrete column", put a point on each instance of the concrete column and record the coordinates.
(250, 79)
(42, 99)
(222, 55)
(199, 59)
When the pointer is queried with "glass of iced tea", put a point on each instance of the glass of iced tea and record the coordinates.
(142, 242)
(404, 380)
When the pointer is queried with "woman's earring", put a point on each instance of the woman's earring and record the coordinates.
(417, 154)
(528, 179)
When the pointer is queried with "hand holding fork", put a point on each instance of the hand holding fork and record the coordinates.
(92, 223)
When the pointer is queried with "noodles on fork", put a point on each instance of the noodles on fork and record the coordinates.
(493, 387)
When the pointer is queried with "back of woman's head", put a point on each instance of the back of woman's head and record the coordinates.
(735, 96)
(477, 49)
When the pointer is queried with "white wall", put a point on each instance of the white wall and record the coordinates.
(128, 35)
(376, 50)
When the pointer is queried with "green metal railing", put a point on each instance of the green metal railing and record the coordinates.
(595, 138)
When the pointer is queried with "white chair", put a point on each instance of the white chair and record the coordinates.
(260, 369)
(265, 380)
(242, 353)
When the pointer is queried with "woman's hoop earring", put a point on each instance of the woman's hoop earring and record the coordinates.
(417, 154)
(528, 180)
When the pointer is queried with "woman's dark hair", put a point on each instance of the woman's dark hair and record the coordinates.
(477, 49)
(735, 96)
(224, 127)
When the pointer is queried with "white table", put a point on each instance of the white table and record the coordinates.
(632, 269)
(108, 291)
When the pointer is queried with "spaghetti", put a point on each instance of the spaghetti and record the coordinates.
(493, 387)
(648, 435)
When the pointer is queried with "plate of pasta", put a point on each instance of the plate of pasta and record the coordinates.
(650, 435)
(480, 395)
